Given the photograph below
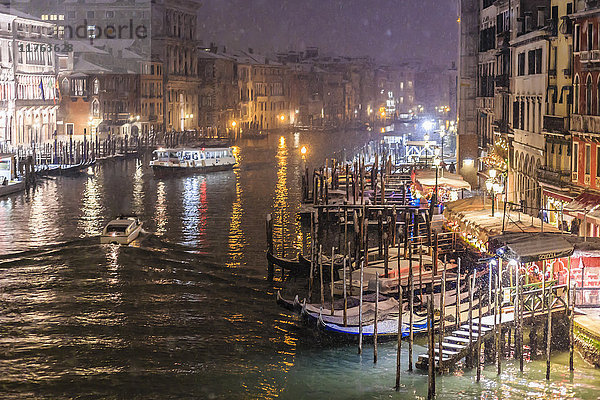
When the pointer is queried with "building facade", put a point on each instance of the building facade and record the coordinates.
(27, 80)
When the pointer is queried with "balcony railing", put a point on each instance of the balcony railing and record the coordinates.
(553, 123)
(502, 80)
(553, 176)
(585, 123)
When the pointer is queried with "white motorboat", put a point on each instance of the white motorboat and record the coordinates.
(192, 160)
(122, 230)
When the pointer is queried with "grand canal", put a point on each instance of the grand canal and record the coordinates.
(187, 312)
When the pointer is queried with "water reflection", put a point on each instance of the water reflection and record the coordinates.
(91, 207)
(236, 234)
(138, 188)
(161, 217)
(280, 199)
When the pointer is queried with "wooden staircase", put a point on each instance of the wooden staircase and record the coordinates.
(459, 343)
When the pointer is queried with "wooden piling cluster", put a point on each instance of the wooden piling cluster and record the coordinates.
(368, 205)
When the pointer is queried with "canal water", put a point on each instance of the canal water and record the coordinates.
(187, 312)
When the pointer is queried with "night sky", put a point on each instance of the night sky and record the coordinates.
(388, 30)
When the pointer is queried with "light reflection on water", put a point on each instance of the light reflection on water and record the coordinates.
(186, 312)
(91, 207)
(236, 240)
(161, 218)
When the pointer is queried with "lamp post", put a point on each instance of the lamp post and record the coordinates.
(442, 134)
(426, 149)
(303, 151)
(494, 187)
(436, 162)
(233, 125)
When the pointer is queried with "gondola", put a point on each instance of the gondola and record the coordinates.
(386, 329)
(294, 266)
(292, 305)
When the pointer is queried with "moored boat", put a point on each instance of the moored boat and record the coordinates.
(192, 160)
(386, 329)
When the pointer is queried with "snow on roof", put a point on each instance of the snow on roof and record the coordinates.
(85, 66)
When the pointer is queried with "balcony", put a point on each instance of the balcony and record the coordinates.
(584, 56)
(553, 123)
(585, 123)
(503, 39)
(554, 177)
(502, 80)
(501, 125)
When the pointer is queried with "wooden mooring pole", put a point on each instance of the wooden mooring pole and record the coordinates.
(345, 296)
(360, 310)
(331, 280)
(431, 360)
(499, 312)
(470, 355)
(478, 355)
(321, 275)
(411, 298)
(398, 353)
(442, 316)
(313, 249)
(549, 333)
(457, 306)
(376, 316)
(270, 266)
(519, 318)
(571, 311)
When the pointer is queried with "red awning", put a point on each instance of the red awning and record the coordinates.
(591, 262)
(557, 196)
(586, 204)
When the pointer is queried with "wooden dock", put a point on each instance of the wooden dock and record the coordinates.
(465, 340)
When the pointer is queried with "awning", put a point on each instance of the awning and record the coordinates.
(587, 205)
(426, 177)
(530, 247)
(558, 196)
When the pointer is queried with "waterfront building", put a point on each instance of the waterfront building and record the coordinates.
(554, 176)
(175, 43)
(27, 79)
(395, 90)
(528, 99)
(219, 97)
(151, 97)
(585, 120)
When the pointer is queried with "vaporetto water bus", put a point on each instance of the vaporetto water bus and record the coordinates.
(192, 160)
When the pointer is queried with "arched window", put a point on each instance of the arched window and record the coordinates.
(96, 86)
(96, 108)
(588, 95)
(576, 95)
(598, 96)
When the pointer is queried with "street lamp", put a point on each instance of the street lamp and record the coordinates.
(494, 187)
(426, 149)
(436, 162)
(442, 134)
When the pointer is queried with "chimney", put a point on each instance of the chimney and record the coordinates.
(528, 17)
(541, 17)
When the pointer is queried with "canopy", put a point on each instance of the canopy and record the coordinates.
(529, 247)
(426, 177)
(587, 204)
